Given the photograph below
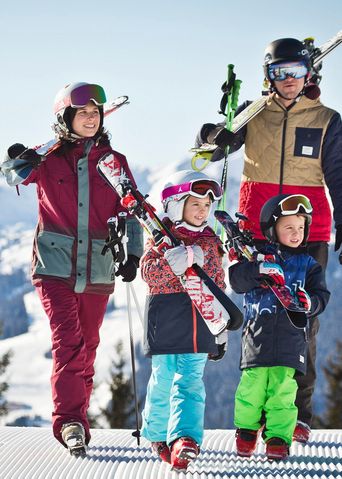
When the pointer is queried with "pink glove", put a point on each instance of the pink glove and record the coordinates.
(272, 273)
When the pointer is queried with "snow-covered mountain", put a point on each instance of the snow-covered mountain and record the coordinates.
(26, 331)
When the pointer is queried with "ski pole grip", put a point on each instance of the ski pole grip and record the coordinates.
(235, 94)
(230, 72)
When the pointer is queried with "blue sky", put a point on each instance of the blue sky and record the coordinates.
(169, 57)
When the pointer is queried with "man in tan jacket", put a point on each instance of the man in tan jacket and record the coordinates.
(293, 146)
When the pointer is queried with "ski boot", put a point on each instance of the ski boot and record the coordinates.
(246, 441)
(73, 435)
(183, 451)
(302, 432)
(162, 450)
(276, 449)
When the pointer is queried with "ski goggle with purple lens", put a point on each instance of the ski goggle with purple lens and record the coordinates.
(295, 204)
(85, 93)
(281, 71)
(198, 188)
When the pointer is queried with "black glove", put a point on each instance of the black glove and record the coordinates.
(28, 154)
(224, 138)
(221, 351)
(222, 343)
(128, 271)
(338, 237)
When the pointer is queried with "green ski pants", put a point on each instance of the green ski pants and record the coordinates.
(270, 389)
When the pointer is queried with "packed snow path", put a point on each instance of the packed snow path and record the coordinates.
(32, 453)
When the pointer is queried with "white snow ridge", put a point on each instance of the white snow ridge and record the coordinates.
(33, 453)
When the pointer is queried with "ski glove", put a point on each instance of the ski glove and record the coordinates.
(182, 257)
(303, 298)
(18, 150)
(222, 342)
(128, 270)
(272, 273)
(233, 255)
(223, 138)
(338, 237)
(269, 258)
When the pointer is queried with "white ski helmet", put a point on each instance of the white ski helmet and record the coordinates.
(182, 184)
(71, 97)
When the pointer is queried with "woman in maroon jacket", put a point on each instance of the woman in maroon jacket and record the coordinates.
(72, 277)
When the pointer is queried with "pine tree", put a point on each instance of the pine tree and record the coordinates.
(4, 362)
(119, 412)
(333, 373)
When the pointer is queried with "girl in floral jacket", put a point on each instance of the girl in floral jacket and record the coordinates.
(175, 335)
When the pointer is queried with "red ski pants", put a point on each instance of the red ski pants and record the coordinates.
(75, 320)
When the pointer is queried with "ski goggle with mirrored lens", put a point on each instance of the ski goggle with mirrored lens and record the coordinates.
(85, 93)
(294, 204)
(281, 71)
(198, 188)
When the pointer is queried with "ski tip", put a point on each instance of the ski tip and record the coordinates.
(297, 318)
(235, 323)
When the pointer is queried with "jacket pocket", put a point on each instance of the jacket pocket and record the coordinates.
(102, 266)
(54, 252)
(308, 142)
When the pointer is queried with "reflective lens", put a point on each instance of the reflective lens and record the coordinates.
(292, 205)
(84, 93)
(199, 188)
(281, 71)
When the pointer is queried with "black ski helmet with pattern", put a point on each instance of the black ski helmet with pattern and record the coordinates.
(273, 210)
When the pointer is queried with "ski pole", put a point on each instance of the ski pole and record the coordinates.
(117, 244)
(136, 303)
(232, 105)
(135, 433)
(228, 105)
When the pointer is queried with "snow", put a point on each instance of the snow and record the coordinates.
(33, 453)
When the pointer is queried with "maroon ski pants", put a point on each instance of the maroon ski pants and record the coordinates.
(75, 320)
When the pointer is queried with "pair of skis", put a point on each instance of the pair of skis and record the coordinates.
(242, 243)
(257, 106)
(215, 307)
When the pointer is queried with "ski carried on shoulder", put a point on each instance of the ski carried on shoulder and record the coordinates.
(218, 311)
(54, 144)
(242, 244)
(257, 106)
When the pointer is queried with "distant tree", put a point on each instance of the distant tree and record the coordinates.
(91, 416)
(333, 372)
(4, 362)
(119, 412)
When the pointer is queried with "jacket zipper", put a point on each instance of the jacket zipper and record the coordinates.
(282, 157)
(194, 324)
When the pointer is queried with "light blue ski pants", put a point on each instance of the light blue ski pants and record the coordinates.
(175, 399)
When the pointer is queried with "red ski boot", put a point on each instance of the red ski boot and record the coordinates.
(246, 441)
(162, 450)
(302, 432)
(183, 451)
(276, 449)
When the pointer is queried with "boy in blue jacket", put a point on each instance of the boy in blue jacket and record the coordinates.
(273, 348)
